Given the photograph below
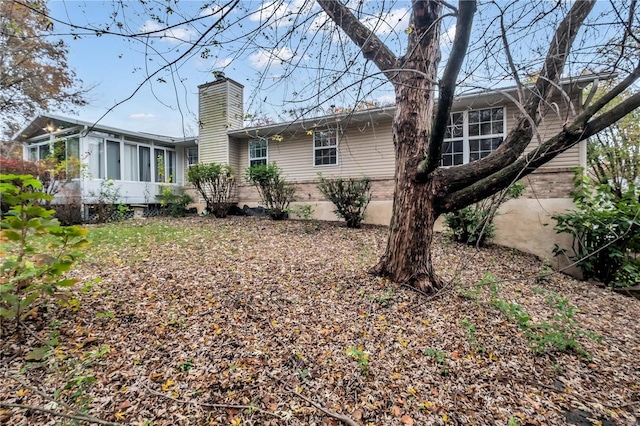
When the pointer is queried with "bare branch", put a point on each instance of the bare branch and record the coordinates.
(371, 46)
(536, 106)
(448, 83)
(58, 414)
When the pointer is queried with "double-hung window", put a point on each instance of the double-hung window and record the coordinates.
(472, 135)
(325, 148)
(192, 156)
(258, 152)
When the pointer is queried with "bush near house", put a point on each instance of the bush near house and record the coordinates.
(216, 184)
(175, 205)
(53, 175)
(275, 192)
(473, 225)
(606, 232)
(350, 197)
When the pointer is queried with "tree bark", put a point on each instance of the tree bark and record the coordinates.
(407, 258)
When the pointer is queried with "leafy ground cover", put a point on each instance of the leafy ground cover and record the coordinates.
(245, 321)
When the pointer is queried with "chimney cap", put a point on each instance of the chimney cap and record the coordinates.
(219, 75)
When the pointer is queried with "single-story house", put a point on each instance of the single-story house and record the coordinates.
(351, 144)
(360, 143)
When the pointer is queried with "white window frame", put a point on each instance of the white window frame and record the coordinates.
(321, 147)
(154, 172)
(467, 138)
(264, 158)
(197, 156)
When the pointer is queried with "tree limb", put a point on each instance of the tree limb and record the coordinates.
(448, 84)
(56, 413)
(579, 130)
(536, 105)
(371, 46)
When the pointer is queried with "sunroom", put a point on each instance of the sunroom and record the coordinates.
(136, 166)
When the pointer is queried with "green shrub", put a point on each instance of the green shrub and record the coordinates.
(216, 184)
(606, 233)
(473, 225)
(36, 250)
(349, 196)
(275, 192)
(175, 205)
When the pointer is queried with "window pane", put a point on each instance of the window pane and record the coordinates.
(130, 162)
(474, 130)
(45, 150)
(325, 156)
(113, 160)
(60, 150)
(257, 162)
(485, 129)
(145, 163)
(325, 151)
(496, 114)
(257, 152)
(73, 148)
(192, 155)
(161, 167)
(72, 156)
(474, 116)
(33, 153)
(171, 166)
(96, 158)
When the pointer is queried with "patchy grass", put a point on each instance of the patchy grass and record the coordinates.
(249, 321)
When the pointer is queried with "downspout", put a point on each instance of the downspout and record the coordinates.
(82, 143)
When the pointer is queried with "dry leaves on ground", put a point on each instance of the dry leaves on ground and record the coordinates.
(245, 321)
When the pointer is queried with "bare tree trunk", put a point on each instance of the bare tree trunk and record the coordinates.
(407, 258)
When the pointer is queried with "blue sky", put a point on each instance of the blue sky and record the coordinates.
(114, 66)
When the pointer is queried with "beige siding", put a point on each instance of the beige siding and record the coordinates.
(220, 109)
(550, 126)
(365, 150)
(234, 158)
(235, 106)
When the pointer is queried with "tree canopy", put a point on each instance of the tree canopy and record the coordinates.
(34, 74)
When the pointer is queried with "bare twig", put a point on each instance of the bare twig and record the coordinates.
(204, 404)
(58, 414)
(343, 418)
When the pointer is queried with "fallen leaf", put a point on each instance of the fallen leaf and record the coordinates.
(407, 420)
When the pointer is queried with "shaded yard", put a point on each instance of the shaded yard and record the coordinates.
(193, 318)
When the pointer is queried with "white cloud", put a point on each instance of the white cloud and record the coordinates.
(142, 116)
(221, 62)
(447, 36)
(280, 13)
(271, 57)
(174, 35)
(395, 21)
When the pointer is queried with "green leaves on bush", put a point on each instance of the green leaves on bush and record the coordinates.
(275, 192)
(473, 225)
(216, 184)
(350, 197)
(174, 204)
(606, 233)
(36, 250)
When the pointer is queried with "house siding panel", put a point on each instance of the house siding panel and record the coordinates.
(220, 109)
